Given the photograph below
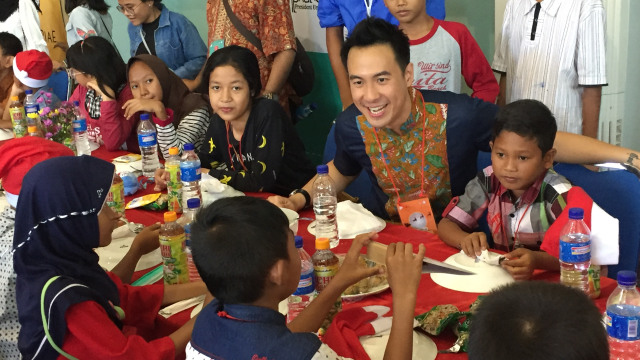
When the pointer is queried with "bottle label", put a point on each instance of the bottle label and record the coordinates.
(18, 119)
(174, 259)
(174, 188)
(79, 125)
(174, 172)
(324, 274)
(306, 285)
(190, 173)
(622, 327)
(147, 140)
(31, 109)
(115, 198)
(575, 252)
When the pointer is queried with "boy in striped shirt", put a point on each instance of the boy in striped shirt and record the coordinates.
(521, 192)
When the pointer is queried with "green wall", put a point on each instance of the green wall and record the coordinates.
(477, 15)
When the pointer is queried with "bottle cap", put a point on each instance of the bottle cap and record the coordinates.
(188, 147)
(28, 92)
(626, 278)
(170, 216)
(193, 203)
(14, 98)
(173, 150)
(298, 239)
(32, 129)
(76, 103)
(144, 116)
(322, 169)
(576, 213)
(322, 244)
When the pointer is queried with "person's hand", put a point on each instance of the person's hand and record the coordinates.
(17, 88)
(147, 240)
(474, 243)
(161, 178)
(520, 264)
(93, 84)
(283, 202)
(133, 106)
(352, 270)
(404, 268)
(57, 65)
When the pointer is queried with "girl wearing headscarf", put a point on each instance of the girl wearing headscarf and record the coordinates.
(67, 304)
(180, 116)
(102, 90)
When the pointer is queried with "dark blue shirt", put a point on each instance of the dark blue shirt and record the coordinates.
(469, 124)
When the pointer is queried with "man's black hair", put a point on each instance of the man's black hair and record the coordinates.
(10, 44)
(535, 320)
(235, 242)
(373, 31)
(529, 119)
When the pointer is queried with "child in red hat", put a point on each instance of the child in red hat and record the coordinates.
(31, 70)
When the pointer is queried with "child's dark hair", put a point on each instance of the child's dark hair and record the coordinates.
(96, 56)
(235, 243)
(241, 59)
(373, 31)
(534, 320)
(10, 44)
(530, 119)
(97, 5)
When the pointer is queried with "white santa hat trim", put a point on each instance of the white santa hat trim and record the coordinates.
(24, 78)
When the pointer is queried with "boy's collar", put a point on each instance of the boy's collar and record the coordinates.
(530, 195)
(247, 313)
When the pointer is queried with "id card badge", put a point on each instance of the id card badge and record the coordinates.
(417, 214)
(216, 45)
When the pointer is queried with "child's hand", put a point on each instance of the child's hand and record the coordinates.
(161, 178)
(351, 270)
(521, 263)
(147, 240)
(133, 106)
(404, 268)
(474, 243)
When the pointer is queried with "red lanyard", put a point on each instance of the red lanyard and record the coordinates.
(384, 160)
(238, 156)
(515, 234)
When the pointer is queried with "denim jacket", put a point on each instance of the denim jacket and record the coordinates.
(178, 43)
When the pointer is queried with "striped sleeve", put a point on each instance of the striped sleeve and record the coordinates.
(590, 58)
(192, 129)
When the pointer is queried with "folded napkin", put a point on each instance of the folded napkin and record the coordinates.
(343, 336)
(213, 189)
(180, 306)
(354, 219)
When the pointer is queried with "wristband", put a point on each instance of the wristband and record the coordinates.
(307, 197)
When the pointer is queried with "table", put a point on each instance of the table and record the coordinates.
(429, 293)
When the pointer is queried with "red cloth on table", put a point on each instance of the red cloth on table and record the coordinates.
(92, 335)
(343, 336)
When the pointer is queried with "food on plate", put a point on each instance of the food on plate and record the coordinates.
(367, 284)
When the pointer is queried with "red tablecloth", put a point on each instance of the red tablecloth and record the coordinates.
(429, 293)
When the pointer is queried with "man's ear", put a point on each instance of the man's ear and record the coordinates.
(276, 273)
(408, 74)
(547, 159)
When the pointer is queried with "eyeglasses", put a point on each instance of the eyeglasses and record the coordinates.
(73, 73)
(128, 10)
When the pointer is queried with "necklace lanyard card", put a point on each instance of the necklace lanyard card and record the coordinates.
(417, 214)
(216, 45)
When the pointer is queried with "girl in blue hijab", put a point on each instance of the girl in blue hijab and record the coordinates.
(68, 306)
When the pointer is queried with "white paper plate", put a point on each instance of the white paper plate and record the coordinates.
(196, 310)
(487, 277)
(312, 228)
(293, 219)
(423, 347)
(111, 255)
(375, 290)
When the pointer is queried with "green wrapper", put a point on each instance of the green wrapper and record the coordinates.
(159, 204)
(438, 318)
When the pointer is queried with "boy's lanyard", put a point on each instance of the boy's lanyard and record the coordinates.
(515, 233)
(384, 160)
(368, 4)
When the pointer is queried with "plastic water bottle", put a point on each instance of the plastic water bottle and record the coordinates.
(148, 141)
(174, 185)
(622, 317)
(76, 109)
(18, 118)
(190, 175)
(33, 131)
(30, 104)
(172, 244)
(575, 251)
(81, 137)
(187, 218)
(306, 286)
(324, 206)
(304, 111)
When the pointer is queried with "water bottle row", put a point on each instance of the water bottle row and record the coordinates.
(175, 245)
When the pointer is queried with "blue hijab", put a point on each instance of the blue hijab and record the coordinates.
(56, 231)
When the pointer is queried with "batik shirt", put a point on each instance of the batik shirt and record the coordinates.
(9, 325)
(513, 222)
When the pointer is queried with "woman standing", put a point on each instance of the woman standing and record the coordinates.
(168, 35)
(20, 18)
(86, 18)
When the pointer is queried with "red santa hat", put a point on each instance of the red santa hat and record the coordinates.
(604, 229)
(33, 68)
(18, 156)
